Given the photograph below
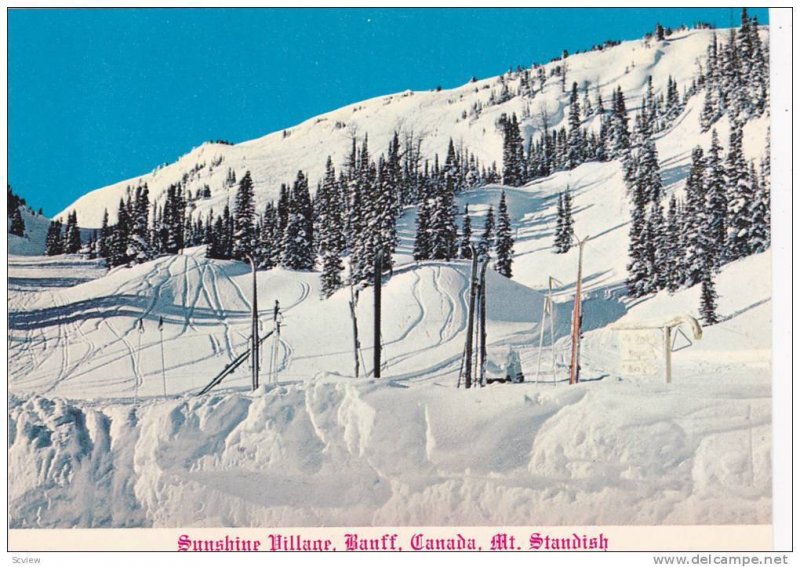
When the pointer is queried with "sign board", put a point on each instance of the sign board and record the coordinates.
(639, 351)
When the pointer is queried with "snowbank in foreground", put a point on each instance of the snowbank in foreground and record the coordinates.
(344, 452)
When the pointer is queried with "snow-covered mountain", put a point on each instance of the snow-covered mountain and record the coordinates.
(318, 447)
(437, 117)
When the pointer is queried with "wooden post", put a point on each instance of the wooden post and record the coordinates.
(470, 320)
(376, 372)
(356, 344)
(276, 338)
(254, 331)
(575, 363)
(482, 327)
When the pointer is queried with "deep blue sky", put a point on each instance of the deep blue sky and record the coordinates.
(97, 96)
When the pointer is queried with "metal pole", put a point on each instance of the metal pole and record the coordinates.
(254, 331)
(470, 321)
(376, 372)
(574, 366)
(276, 326)
(545, 307)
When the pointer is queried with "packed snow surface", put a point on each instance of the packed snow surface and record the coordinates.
(94, 441)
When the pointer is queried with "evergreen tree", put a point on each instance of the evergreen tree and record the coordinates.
(225, 247)
(673, 266)
(759, 237)
(504, 243)
(513, 153)
(387, 209)
(656, 249)
(486, 242)
(244, 237)
(54, 244)
(298, 240)
(72, 236)
(708, 302)
(619, 135)
(639, 268)
(422, 241)
(716, 204)
(740, 197)
(558, 236)
(442, 223)
(139, 238)
(173, 220)
(104, 241)
(465, 250)
(17, 224)
(331, 236)
(575, 145)
(119, 239)
(265, 255)
(698, 243)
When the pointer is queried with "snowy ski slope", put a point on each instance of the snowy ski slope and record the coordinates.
(321, 448)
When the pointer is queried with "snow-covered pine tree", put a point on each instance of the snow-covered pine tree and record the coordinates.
(756, 69)
(649, 171)
(486, 243)
(759, 237)
(104, 240)
(244, 235)
(225, 246)
(72, 236)
(330, 235)
(215, 247)
(91, 248)
(740, 196)
(639, 268)
(422, 240)
(730, 77)
(708, 301)
(587, 109)
(656, 248)
(17, 227)
(54, 244)
(139, 236)
(173, 220)
(558, 235)
(298, 240)
(575, 145)
(710, 113)
(695, 221)
(264, 252)
(504, 243)
(464, 250)
(716, 204)
(119, 240)
(619, 135)
(443, 224)
(513, 152)
(568, 232)
(387, 209)
(673, 265)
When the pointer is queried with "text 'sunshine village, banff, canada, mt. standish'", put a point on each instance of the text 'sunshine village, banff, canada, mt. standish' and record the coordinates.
(500, 541)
